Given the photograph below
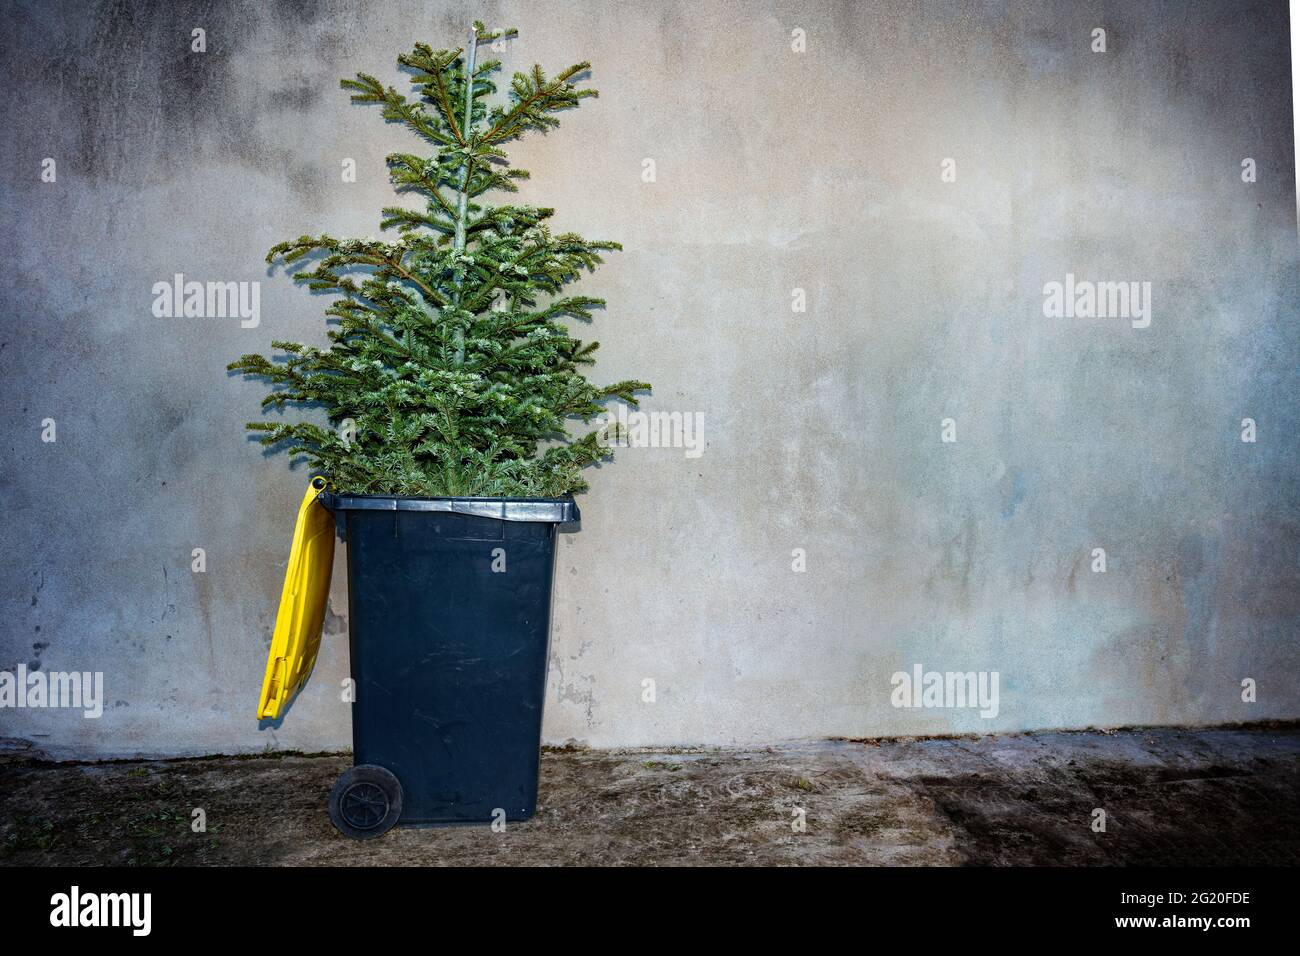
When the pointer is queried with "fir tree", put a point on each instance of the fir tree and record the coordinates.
(450, 357)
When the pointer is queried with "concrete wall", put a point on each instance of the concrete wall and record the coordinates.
(775, 170)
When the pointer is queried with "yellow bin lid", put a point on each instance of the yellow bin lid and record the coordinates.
(302, 605)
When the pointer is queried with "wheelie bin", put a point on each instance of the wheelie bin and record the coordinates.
(449, 607)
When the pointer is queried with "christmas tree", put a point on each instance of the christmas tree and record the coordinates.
(450, 373)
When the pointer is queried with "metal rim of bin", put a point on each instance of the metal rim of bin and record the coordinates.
(552, 510)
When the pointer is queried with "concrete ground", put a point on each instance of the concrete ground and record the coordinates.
(1170, 797)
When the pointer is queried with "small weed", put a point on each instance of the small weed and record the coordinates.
(32, 833)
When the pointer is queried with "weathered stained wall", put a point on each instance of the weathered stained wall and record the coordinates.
(775, 170)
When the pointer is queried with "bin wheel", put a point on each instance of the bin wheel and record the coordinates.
(366, 801)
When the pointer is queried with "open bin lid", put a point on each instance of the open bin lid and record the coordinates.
(302, 605)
